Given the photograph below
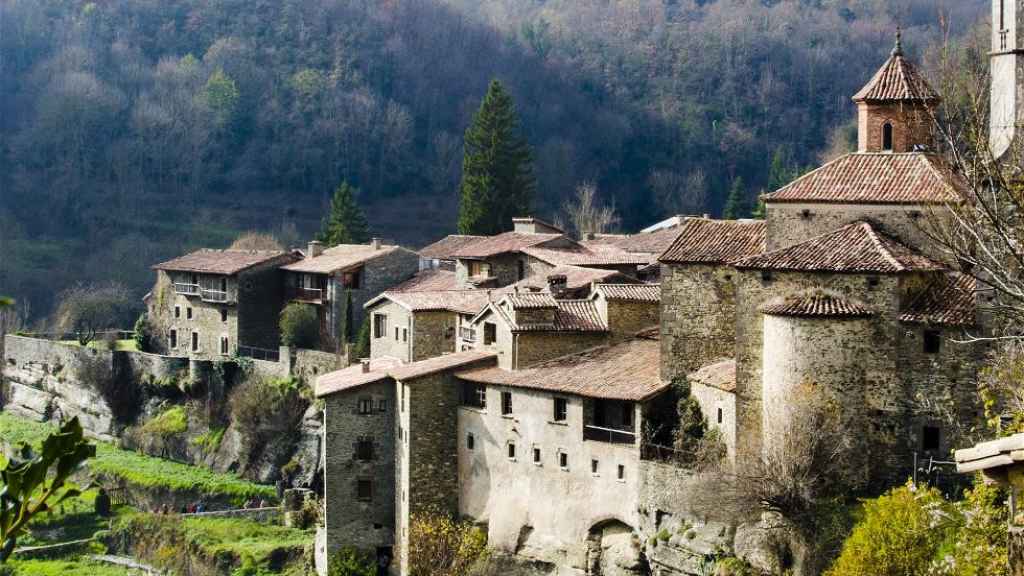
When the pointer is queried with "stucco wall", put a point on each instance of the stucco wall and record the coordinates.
(713, 400)
(698, 317)
(388, 344)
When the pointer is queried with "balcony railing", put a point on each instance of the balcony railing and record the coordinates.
(307, 294)
(467, 334)
(609, 435)
(214, 295)
(186, 289)
(259, 353)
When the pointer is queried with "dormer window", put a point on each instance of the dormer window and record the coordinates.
(887, 137)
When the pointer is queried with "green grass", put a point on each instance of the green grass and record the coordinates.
(120, 345)
(140, 469)
(66, 567)
(170, 422)
(75, 519)
(243, 537)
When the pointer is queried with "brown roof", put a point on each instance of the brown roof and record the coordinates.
(570, 316)
(444, 248)
(354, 377)
(815, 304)
(501, 244)
(655, 242)
(949, 300)
(626, 371)
(595, 255)
(531, 301)
(704, 241)
(897, 80)
(576, 277)
(631, 292)
(428, 281)
(458, 301)
(226, 262)
(441, 363)
(854, 248)
(341, 257)
(720, 375)
(876, 178)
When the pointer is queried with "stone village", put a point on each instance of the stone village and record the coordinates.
(511, 377)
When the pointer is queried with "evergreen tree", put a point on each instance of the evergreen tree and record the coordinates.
(736, 203)
(497, 168)
(346, 223)
(780, 172)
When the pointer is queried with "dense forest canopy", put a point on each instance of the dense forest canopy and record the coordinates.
(131, 130)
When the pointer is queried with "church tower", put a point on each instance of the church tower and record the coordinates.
(1007, 69)
(894, 110)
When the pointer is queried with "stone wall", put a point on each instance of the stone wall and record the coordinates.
(261, 298)
(379, 274)
(534, 347)
(911, 125)
(350, 521)
(433, 334)
(626, 318)
(698, 317)
(308, 364)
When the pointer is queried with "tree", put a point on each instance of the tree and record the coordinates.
(362, 347)
(497, 168)
(256, 241)
(33, 483)
(345, 223)
(441, 546)
(300, 326)
(351, 562)
(143, 334)
(585, 215)
(736, 202)
(86, 310)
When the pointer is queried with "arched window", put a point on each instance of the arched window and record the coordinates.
(887, 137)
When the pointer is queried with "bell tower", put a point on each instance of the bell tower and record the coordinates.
(1007, 70)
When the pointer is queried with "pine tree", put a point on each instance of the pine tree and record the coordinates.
(780, 172)
(497, 168)
(736, 203)
(346, 223)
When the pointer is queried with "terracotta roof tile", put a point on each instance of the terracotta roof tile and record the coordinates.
(655, 242)
(226, 262)
(596, 255)
(441, 364)
(949, 300)
(531, 301)
(340, 258)
(854, 248)
(704, 241)
(445, 248)
(897, 80)
(815, 304)
(458, 301)
(501, 244)
(576, 277)
(628, 371)
(876, 178)
(428, 281)
(720, 375)
(630, 292)
(354, 377)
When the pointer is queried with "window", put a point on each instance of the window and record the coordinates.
(521, 271)
(195, 341)
(887, 137)
(382, 405)
(177, 311)
(352, 280)
(364, 490)
(627, 414)
(173, 339)
(188, 313)
(719, 415)
(932, 341)
(380, 325)
(766, 276)
(470, 442)
(594, 464)
(474, 395)
(490, 333)
(223, 314)
(805, 214)
(506, 403)
(930, 437)
(405, 334)
(479, 269)
(622, 472)
(511, 450)
(536, 455)
(365, 405)
(563, 460)
(560, 410)
(364, 450)
(396, 333)
(873, 281)
(224, 345)
(223, 284)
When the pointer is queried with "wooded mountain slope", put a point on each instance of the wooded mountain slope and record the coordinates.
(131, 130)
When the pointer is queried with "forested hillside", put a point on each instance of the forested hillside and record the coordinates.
(131, 130)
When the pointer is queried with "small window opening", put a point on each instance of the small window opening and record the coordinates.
(594, 465)
(177, 311)
(506, 403)
(364, 450)
(173, 339)
(873, 281)
(188, 312)
(561, 409)
(622, 472)
(932, 341)
(365, 406)
(382, 405)
(364, 490)
(805, 214)
(223, 314)
(536, 455)
(563, 460)
(470, 442)
(627, 415)
(887, 137)
(930, 438)
(396, 333)
(224, 345)
(405, 334)
(719, 415)
(195, 341)
(766, 276)
(490, 333)
(511, 450)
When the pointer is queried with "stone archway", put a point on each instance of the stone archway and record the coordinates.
(613, 550)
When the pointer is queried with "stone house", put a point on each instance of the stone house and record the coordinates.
(214, 303)
(440, 254)
(340, 280)
(414, 326)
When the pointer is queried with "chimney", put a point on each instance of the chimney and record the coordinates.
(375, 243)
(315, 249)
(365, 362)
(557, 284)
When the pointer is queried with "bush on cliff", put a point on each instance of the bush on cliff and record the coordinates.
(442, 546)
(351, 562)
(114, 383)
(300, 327)
(267, 410)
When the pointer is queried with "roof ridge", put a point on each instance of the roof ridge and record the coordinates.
(877, 241)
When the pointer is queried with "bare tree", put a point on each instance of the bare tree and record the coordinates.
(585, 215)
(86, 310)
(256, 241)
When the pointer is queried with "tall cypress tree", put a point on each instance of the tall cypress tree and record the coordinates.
(736, 203)
(497, 168)
(346, 223)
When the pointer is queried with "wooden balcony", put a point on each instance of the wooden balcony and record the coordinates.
(608, 435)
(215, 296)
(186, 289)
(308, 295)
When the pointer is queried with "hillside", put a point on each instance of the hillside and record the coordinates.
(132, 130)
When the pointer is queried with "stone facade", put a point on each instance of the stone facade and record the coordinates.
(910, 126)
(698, 316)
(420, 335)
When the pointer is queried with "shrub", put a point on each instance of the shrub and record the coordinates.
(441, 546)
(209, 442)
(265, 409)
(300, 326)
(733, 567)
(86, 310)
(171, 422)
(350, 562)
(362, 347)
(979, 547)
(143, 334)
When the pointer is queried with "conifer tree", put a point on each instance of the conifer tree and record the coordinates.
(346, 223)
(497, 168)
(736, 203)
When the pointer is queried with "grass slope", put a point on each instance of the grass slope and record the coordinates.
(66, 567)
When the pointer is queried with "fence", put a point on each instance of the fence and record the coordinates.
(62, 336)
(259, 353)
(666, 454)
(610, 435)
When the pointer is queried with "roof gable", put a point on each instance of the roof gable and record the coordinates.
(444, 248)
(705, 241)
(949, 300)
(342, 257)
(502, 244)
(223, 262)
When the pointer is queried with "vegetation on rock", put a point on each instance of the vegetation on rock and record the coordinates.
(300, 326)
(441, 546)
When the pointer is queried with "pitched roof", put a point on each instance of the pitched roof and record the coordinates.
(570, 316)
(595, 255)
(354, 376)
(458, 301)
(441, 363)
(428, 281)
(501, 244)
(444, 248)
(627, 371)
(576, 277)
(654, 242)
(877, 178)
(854, 248)
(705, 241)
(949, 300)
(531, 301)
(897, 80)
(341, 257)
(226, 262)
(720, 375)
(630, 292)
(815, 304)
